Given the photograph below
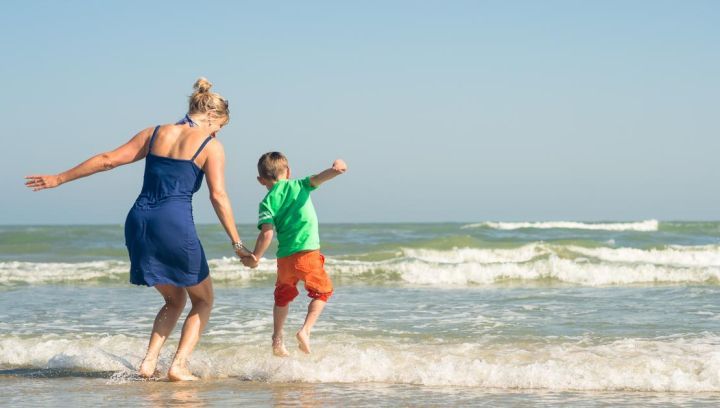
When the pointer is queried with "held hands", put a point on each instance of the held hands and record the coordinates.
(41, 182)
(246, 257)
(339, 166)
(250, 261)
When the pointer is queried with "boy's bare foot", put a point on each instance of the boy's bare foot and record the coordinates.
(178, 373)
(278, 347)
(303, 339)
(147, 368)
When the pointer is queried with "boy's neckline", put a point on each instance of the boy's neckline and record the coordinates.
(275, 184)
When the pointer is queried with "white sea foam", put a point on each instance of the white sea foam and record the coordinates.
(476, 255)
(107, 353)
(230, 269)
(645, 226)
(555, 268)
(462, 266)
(680, 365)
(54, 272)
(707, 255)
(611, 266)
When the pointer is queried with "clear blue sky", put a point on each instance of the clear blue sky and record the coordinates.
(444, 110)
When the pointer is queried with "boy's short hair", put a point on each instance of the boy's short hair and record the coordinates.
(272, 165)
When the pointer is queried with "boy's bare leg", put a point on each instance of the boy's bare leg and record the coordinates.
(165, 321)
(303, 335)
(279, 315)
(201, 296)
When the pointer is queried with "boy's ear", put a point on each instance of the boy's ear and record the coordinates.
(288, 173)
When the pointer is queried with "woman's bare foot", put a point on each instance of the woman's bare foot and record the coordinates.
(278, 347)
(147, 368)
(180, 373)
(303, 339)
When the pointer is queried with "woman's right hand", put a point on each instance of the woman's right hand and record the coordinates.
(243, 252)
(249, 260)
(41, 182)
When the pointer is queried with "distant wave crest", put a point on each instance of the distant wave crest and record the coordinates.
(643, 226)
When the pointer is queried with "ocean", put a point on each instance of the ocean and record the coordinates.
(452, 314)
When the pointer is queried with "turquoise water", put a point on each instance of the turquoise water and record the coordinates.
(515, 313)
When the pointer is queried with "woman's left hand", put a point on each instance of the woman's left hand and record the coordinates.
(41, 182)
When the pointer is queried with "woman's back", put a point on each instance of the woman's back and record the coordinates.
(177, 142)
(171, 169)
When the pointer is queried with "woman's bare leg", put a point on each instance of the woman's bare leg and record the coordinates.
(165, 321)
(201, 296)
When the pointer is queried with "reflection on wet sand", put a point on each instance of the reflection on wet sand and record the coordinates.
(209, 393)
(301, 395)
(163, 394)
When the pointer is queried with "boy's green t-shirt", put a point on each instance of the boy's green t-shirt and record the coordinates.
(289, 208)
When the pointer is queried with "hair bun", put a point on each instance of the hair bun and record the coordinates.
(203, 101)
(202, 85)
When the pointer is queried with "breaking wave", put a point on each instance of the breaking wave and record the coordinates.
(572, 264)
(644, 226)
(664, 364)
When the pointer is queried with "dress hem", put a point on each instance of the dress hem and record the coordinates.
(168, 282)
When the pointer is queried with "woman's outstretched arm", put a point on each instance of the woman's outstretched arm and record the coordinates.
(214, 168)
(132, 151)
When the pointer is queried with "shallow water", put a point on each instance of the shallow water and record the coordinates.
(65, 391)
(422, 315)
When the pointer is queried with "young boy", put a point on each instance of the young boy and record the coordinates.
(288, 208)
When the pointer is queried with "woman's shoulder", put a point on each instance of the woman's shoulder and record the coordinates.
(214, 146)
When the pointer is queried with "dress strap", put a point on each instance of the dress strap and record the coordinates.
(202, 146)
(152, 138)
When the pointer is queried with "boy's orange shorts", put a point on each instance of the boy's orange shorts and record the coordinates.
(307, 266)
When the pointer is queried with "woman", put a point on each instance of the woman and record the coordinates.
(160, 235)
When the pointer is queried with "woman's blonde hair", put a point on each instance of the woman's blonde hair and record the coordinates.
(204, 101)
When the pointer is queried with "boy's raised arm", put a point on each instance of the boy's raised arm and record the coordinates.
(338, 167)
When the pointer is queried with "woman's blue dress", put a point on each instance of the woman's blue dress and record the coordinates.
(160, 232)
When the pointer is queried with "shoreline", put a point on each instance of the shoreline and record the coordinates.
(97, 391)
